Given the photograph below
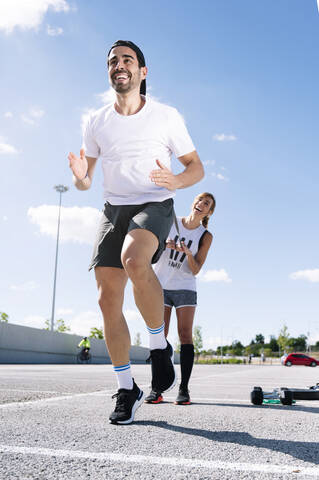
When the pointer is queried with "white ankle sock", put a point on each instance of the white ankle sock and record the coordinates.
(157, 338)
(124, 376)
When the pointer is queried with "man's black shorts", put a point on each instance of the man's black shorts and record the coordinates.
(118, 220)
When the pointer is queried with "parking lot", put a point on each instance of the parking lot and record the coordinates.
(55, 425)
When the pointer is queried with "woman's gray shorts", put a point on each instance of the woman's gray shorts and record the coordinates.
(118, 220)
(180, 298)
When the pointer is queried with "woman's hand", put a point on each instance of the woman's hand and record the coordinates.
(185, 249)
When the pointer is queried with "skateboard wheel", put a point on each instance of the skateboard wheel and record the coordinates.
(286, 397)
(256, 396)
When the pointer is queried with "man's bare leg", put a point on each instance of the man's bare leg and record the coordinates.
(137, 252)
(111, 284)
(138, 249)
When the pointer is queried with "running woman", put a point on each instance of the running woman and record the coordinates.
(134, 138)
(185, 254)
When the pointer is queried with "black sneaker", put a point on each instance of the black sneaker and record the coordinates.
(154, 397)
(163, 371)
(183, 397)
(127, 402)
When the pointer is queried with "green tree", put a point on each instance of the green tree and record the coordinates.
(260, 339)
(299, 343)
(137, 340)
(96, 333)
(59, 326)
(223, 349)
(283, 338)
(4, 317)
(273, 344)
(236, 348)
(197, 340)
(253, 349)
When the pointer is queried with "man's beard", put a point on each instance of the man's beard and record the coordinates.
(119, 88)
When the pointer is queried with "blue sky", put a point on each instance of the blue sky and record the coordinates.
(245, 75)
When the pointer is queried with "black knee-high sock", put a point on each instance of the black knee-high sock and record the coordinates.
(187, 361)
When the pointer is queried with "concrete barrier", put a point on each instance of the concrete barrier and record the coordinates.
(19, 344)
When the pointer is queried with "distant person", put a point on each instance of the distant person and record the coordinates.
(86, 345)
(135, 137)
(183, 258)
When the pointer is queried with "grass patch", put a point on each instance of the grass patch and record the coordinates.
(217, 361)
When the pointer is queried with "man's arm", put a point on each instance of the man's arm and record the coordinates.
(193, 173)
(83, 169)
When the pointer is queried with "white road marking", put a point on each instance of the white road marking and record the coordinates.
(172, 461)
(214, 400)
(102, 393)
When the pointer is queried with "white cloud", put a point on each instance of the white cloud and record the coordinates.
(34, 321)
(222, 177)
(54, 31)
(27, 119)
(309, 275)
(27, 14)
(78, 224)
(65, 311)
(25, 287)
(5, 149)
(82, 323)
(8, 115)
(208, 162)
(34, 113)
(214, 276)
(85, 117)
(107, 97)
(222, 137)
(4, 218)
(136, 325)
(219, 176)
(212, 342)
(134, 316)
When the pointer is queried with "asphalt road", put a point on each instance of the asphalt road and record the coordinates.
(54, 425)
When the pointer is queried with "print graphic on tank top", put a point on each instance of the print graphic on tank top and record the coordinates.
(177, 258)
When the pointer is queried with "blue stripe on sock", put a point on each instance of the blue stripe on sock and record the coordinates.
(121, 368)
(156, 330)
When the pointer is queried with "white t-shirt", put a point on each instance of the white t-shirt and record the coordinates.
(129, 145)
(172, 268)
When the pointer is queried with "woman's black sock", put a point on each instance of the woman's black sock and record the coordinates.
(187, 361)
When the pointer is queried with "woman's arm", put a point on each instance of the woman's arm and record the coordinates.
(196, 262)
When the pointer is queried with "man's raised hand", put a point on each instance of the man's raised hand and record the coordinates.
(78, 165)
(163, 177)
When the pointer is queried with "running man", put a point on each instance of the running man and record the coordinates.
(135, 138)
(183, 258)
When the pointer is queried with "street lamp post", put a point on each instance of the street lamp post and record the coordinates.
(61, 189)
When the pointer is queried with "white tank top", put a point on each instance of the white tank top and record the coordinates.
(172, 268)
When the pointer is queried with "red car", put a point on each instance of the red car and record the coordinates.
(299, 359)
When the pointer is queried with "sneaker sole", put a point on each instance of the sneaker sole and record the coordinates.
(159, 400)
(136, 405)
(182, 403)
(175, 377)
